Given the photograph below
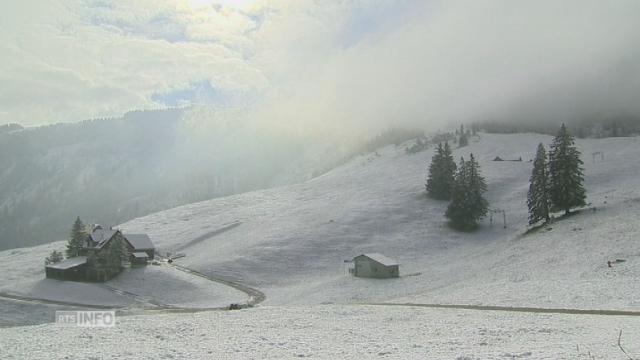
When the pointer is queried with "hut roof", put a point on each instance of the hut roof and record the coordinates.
(69, 263)
(380, 259)
(139, 241)
(140, 255)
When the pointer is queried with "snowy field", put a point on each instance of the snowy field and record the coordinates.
(291, 243)
(23, 275)
(333, 332)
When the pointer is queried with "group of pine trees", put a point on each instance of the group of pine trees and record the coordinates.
(556, 182)
(463, 185)
(74, 243)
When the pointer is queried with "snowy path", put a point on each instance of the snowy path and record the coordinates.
(515, 309)
(15, 297)
(255, 296)
(209, 235)
(136, 297)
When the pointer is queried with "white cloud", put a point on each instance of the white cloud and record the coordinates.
(318, 66)
(71, 60)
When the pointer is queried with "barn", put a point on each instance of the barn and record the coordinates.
(70, 269)
(375, 266)
(140, 243)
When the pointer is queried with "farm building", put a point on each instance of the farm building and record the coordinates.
(140, 243)
(102, 256)
(375, 266)
(135, 243)
(139, 258)
(70, 269)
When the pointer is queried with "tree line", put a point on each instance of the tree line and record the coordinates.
(556, 183)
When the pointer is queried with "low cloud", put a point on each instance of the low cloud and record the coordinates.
(323, 68)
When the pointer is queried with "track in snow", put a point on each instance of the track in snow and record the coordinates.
(55, 302)
(255, 296)
(516, 309)
(210, 234)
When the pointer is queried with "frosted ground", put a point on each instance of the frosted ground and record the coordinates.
(23, 274)
(332, 332)
(291, 243)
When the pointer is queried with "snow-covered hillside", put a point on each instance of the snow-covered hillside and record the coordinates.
(291, 242)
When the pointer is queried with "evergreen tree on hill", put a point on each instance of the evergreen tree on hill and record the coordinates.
(468, 204)
(433, 185)
(448, 170)
(565, 173)
(464, 140)
(78, 235)
(538, 195)
(441, 173)
(54, 257)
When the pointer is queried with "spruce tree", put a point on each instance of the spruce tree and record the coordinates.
(54, 257)
(441, 173)
(468, 204)
(464, 140)
(435, 169)
(78, 235)
(448, 171)
(565, 173)
(538, 195)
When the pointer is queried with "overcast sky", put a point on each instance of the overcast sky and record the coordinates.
(315, 65)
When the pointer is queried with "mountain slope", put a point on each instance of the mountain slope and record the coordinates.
(113, 170)
(292, 241)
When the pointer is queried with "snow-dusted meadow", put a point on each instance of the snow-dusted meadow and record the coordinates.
(291, 243)
(332, 332)
(23, 275)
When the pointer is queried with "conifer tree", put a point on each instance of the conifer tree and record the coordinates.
(538, 195)
(78, 234)
(448, 170)
(468, 204)
(464, 140)
(54, 257)
(441, 173)
(435, 168)
(565, 173)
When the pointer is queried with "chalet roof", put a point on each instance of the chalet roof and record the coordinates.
(380, 259)
(69, 263)
(139, 241)
(140, 255)
(101, 236)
